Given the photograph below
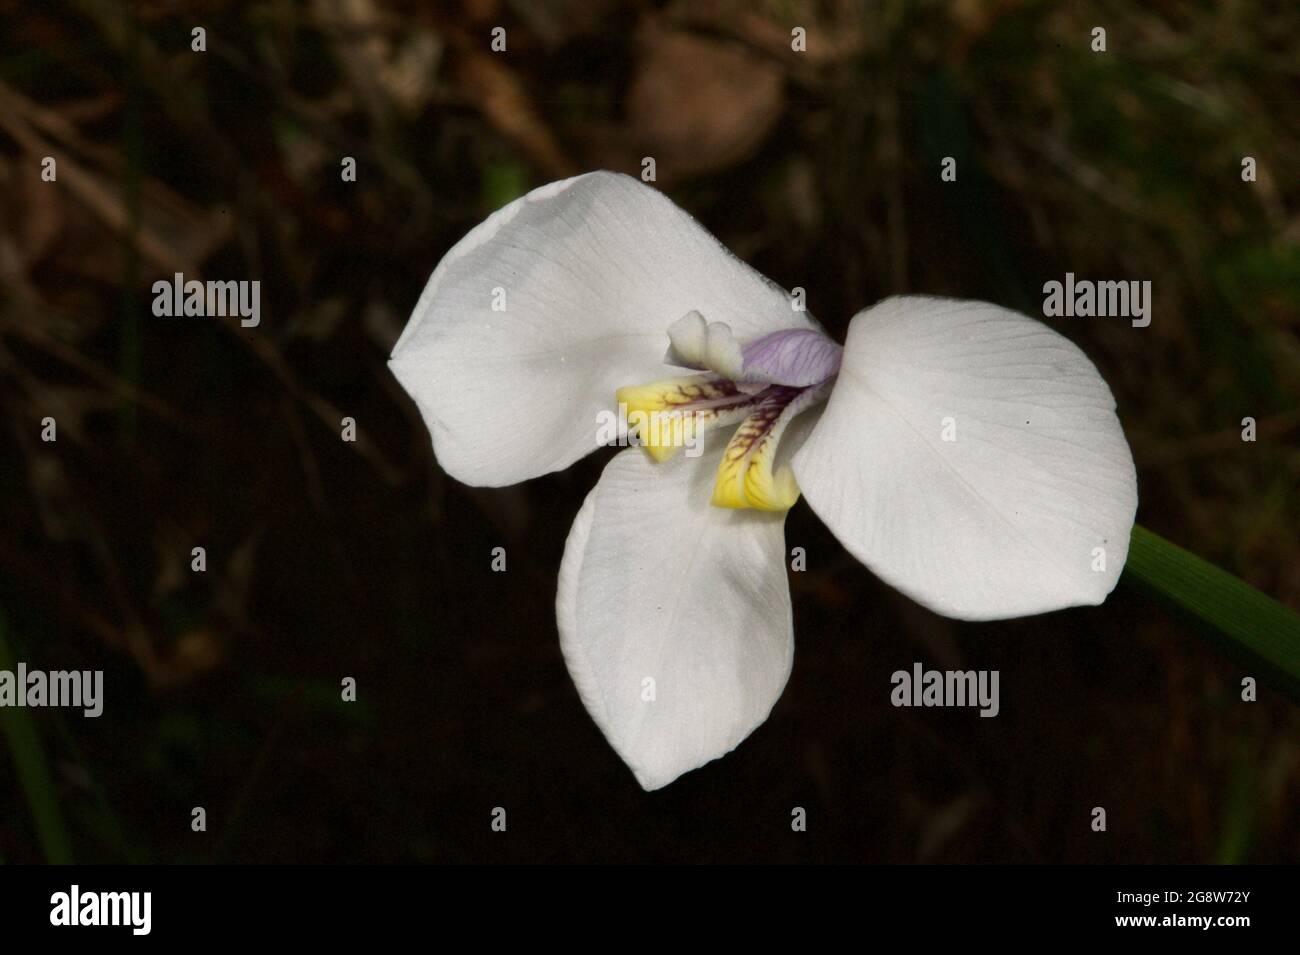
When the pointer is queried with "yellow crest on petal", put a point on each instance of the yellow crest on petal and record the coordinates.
(746, 476)
(671, 414)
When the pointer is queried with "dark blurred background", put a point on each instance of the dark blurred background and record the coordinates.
(329, 560)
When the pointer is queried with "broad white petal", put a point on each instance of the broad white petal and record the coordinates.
(657, 585)
(591, 272)
(1015, 514)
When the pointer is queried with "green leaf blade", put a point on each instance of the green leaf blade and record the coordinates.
(34, 771)
(1254, 625)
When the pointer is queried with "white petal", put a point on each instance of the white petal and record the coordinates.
(1005, 520)
(656, 584)
(593, 270)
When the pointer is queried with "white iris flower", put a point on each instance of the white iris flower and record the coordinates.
(967, 455)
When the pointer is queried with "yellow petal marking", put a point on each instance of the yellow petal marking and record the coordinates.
(746, 475)
(671, 414)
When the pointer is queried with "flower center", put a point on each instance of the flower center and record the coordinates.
(763, 385)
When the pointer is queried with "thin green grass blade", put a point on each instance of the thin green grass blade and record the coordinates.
(33, 769)
(1253, 627)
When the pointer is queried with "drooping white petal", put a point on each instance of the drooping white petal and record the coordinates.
(662, 596)
(530, 323)
(971, 457)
